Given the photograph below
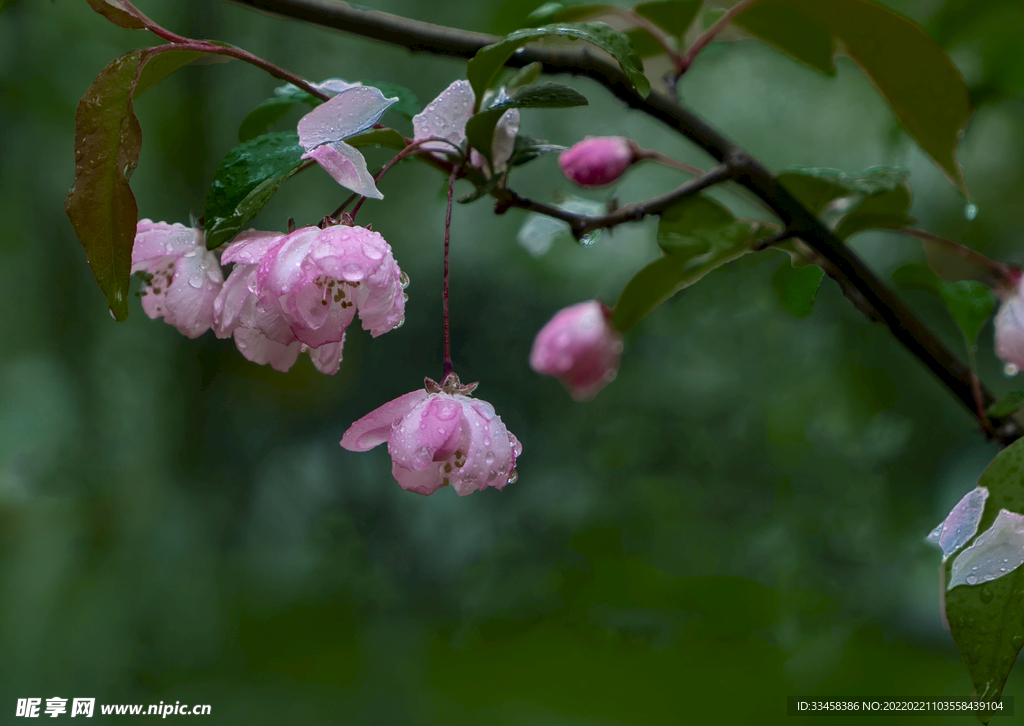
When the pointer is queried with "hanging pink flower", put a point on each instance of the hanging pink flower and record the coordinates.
(440, 436)
(445, 118)
(597, 161)
(185, 276)
(295, 292)
(322, 132)
(580, 348)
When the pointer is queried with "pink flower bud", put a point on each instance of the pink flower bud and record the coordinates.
(580, 348)
(597, 161)
(185, 276)
(1010, 331)
(440, 436)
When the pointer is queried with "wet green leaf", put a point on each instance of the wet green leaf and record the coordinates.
(698, 235)
(791, 31)
(850, 203)
(159, 65)
(484, 66)
(524, 76)
(101, 205)
(118, 13)
(910, 70)
(527, 148)
(388, 138)
(1007, 405)
(969, 302)
(245, 180)
(797, 287)
(987, 620)
(480, 127)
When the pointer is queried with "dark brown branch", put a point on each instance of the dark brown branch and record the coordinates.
(581, 224)
(852, 274)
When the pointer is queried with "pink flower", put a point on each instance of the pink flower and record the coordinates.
(597, 161)
(321, 132)
(295, 292)
(580, 348)
(440, 436)
(185, 276)
(1010, 331)
(445, 117)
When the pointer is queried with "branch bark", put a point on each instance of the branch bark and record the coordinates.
(854, 277)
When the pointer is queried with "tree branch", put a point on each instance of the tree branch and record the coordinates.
(853, 275)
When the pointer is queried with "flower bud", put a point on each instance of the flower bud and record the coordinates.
(580, 348)
(597, 161)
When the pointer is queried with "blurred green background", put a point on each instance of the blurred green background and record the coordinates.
(738, 518)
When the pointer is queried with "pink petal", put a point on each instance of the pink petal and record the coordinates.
(504, 139)
(580, 348)
(259, 349)
(250, 246)
(445, 117)
(374, 428)
(1009, 326)
(351, 111)
(346, 166)
(489, 458)
(429, 432)
(154, 240)
(283, 267)
(423, 482)
(227, 307)
(327, 358)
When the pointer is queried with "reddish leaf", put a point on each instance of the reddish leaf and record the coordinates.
(120, 13)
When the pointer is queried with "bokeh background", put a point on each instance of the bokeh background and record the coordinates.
(738, 518)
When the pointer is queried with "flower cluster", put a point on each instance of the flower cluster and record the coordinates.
(286, 294)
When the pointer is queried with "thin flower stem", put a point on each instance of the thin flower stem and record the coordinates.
(412, 148)
(705, 39)
(447, 366)
(666, 160)
(641, 22)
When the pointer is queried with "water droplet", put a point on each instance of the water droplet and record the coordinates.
(513, 477)
(112, 313)
(590, 238)
(195, 280)
(986, 594)
(489, 458)
(399, 324)
(970, 211)
(374, 253)
(212, 274)
(1010, 369)
(972, 579)
(403, 280)
(353, 272)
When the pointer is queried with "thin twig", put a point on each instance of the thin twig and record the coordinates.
(666, 160)
(705, 38)
(581, 224)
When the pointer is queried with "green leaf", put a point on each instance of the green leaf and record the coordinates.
(969, 302)
(101, 205)
(527, 148)
(157, 66)
(246, 179)
(791, 31)
(672, 16)
(910, 70)
(1007, 405)
(797, 287)
(698, 236)
(408, 105)
(388, 138)
(119, 13)
(987, 620)
(645, 44)
(484, 66)
(525, 76)
(269, 112)
(481, 191)
(557, 12)
(480, 127)
(850, 203)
